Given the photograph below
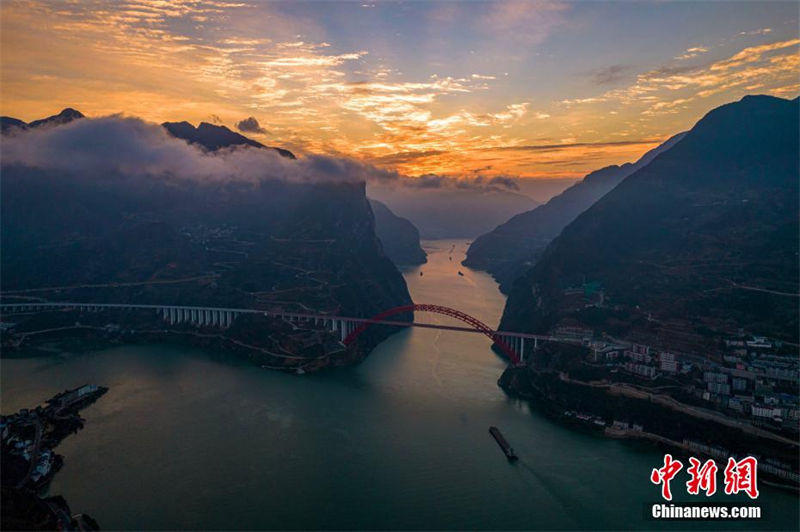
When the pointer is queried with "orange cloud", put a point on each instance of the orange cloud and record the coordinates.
(188, 59)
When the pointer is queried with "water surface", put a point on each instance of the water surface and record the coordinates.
(186, 439)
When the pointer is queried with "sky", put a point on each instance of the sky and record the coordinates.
(543, 90)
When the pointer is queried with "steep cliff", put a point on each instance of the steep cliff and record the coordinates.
(697, 244)
(399, 237)
(302, 246)
(511, 248)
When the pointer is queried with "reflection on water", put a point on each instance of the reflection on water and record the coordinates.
(186, 439)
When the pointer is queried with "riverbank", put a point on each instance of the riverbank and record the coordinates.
(29, 461)
(284, 347)
(622, 413)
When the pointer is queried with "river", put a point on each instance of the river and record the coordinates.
(186, 439)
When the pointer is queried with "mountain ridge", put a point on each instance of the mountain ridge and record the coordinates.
(213, 137)
(693, 242)
(399, 237)
(68, 114)
(508, 249)
(210, 136)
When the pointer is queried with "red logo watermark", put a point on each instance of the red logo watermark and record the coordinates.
(739, 476)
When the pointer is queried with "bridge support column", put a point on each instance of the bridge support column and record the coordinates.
(522, 350)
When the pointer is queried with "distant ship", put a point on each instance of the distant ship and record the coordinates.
(461, 274)
(501, 441)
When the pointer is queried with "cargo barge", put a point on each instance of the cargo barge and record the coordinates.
(501, 441)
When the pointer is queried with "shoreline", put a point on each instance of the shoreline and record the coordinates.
(557, 409)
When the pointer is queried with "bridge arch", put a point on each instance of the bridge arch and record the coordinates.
(446, 311)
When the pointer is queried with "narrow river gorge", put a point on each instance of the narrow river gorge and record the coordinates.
(188, 439)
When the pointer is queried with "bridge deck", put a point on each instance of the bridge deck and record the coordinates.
(12, 307)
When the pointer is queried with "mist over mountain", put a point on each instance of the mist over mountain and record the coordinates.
(542, 189)
(440, 207)
(699, 243)
(140, 148)
(399, 237)
(121, 204)
(509, 249)
(450, 210)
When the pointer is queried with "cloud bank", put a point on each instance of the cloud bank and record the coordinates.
(126, 146)
(121, 146)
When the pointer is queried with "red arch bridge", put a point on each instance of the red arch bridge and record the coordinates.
(511, 344)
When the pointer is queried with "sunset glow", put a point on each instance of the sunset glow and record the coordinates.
(460, 89)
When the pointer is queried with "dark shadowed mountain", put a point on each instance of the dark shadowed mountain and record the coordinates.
(399, 237)
(697, 244)
(213, 137)
(64, 117)
(508, 250)
(270, 243)
(7, 123)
